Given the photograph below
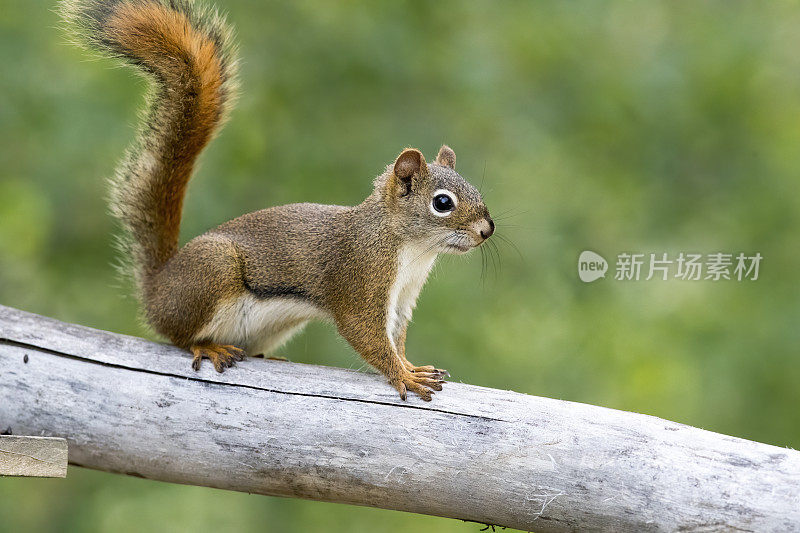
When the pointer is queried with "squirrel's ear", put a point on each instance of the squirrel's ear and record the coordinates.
(410, 162)
(446, 157)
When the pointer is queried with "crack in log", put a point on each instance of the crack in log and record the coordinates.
(18, 344)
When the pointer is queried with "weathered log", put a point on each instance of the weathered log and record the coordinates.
(269, 427)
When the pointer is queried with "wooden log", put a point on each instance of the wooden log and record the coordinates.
(269, 427)
(33, 456)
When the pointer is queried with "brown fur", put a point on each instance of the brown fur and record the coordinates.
(264, 274)
(446, 157)
(186, 52)
(187, 60)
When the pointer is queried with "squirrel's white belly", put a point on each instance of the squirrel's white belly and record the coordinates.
(414, 262)
(259, 325)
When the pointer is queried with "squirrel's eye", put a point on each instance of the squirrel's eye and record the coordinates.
(442, 203)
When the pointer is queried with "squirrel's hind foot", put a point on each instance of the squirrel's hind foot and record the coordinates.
(221, 355)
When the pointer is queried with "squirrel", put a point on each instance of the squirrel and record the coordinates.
(246, 286)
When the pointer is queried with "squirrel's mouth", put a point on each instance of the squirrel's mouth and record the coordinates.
(458, 243)
(460, 247)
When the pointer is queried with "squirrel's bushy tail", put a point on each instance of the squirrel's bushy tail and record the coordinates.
(186, 52)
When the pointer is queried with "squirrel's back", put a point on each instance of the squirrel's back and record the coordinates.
(186, 52)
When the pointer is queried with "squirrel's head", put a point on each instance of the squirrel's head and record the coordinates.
(433, 204)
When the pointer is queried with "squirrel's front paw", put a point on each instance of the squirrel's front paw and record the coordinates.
(221, 355)
(418, 382)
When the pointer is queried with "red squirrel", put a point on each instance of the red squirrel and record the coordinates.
(248, 285)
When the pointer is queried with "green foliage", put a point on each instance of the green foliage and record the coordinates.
(609, 126)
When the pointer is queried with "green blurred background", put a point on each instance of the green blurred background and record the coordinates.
(608, 126)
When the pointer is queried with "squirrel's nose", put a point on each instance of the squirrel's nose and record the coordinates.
(487, 230)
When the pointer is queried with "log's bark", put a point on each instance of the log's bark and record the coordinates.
(134, 407)
(33, 456)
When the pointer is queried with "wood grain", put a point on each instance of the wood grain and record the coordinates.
(33, 456)
(270, 427)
